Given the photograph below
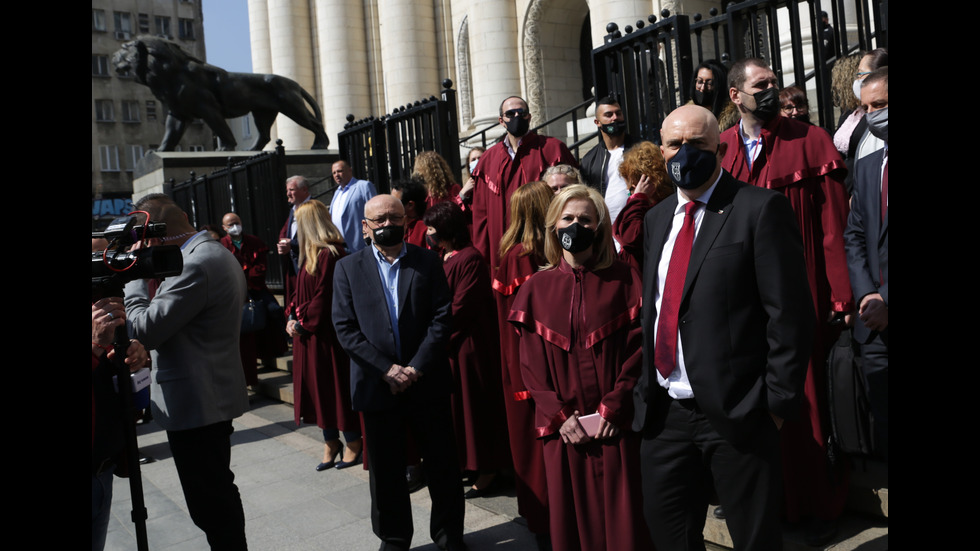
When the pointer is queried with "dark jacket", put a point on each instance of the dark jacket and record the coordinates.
(595, 161)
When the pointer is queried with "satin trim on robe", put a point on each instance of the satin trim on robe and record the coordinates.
(508, 290)
(522, 395)
(613, 325)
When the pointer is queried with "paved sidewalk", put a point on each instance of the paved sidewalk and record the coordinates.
(288, 505)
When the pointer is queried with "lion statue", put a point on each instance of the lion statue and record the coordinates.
(191, 88)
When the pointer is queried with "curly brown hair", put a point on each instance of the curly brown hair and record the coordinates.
(646, 158)
(435, 171)
(842, 78)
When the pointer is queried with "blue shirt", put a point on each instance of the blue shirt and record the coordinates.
(347, 211)
(389, 281)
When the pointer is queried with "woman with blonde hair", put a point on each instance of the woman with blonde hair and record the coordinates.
(580, 349)
(645, 173)
(521, 255)
(321, 368)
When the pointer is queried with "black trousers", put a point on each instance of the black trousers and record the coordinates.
(681, 465)
(203, 457)
(385, 435)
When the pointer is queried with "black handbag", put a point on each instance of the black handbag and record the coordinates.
(253, 316)
(850, 412)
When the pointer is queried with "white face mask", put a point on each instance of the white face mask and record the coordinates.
(235, 230)
(473, 165)
(856, 86)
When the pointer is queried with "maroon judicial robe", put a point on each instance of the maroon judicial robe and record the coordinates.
(415, 233)
(497, 176)
(528, 455)
(801, 161)
(581, 350)
(628, 229)
(268, 342)
(321, 368)
(474, 357)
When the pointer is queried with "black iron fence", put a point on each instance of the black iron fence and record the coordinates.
(252, 189)
(649, 68)
(383, 150)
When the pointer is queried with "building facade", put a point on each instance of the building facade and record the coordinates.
(127, 121)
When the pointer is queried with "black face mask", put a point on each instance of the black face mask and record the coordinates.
(704, 99)
(691, 167)
(517, 126)
(430, 240)
(576, 238)
(766, 104)
(389, 236)
(614, 129)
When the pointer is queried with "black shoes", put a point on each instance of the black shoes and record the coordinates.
(415, 478)
(718, 513)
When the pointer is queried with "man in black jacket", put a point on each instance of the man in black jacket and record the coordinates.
(600, 166)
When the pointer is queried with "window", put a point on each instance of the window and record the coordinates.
(186, 29)
(98, 20)
(197, 148)
(151, 110)
(103, 110)
(100, 65)
(130, 111)
(144, 22)
(163, 26)
(135, 154)
(109, 158)
(124, 25)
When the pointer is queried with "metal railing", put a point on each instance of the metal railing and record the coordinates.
(251, 188)
(651, 85)
(383, 150)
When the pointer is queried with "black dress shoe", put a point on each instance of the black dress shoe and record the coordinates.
(718, 513)
(325, 466)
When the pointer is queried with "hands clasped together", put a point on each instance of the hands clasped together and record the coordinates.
(571, 430)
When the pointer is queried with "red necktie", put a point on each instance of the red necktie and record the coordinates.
(884, 189)
(665, 351)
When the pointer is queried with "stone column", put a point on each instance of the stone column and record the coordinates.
(342, 50)
(292, 57)
(408, 51)
(494, 57)
(258, 30)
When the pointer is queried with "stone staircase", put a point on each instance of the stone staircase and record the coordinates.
(863, 527)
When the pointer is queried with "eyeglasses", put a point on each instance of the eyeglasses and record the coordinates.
(790, 107)
(699, 83)
(393, 218)
(519, 112)
(863, 74)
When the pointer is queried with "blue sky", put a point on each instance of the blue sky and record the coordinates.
(226, 36)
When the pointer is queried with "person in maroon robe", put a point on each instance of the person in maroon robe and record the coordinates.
(580, 348)
(321, 368)
(800, 160)
(521, 157)
(252, 254)
(645, 173)
(414, 198)
(474, 352)
(521, 255)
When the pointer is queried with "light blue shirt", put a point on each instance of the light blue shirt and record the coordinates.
(347, 211)
(389, 280)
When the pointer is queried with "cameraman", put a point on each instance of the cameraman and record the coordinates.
(107, 416)
(191, 326)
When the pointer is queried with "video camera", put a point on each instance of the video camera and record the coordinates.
(116, 265)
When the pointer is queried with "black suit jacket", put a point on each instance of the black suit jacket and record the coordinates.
(866, 237)
(746, 315)
(360, 316)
